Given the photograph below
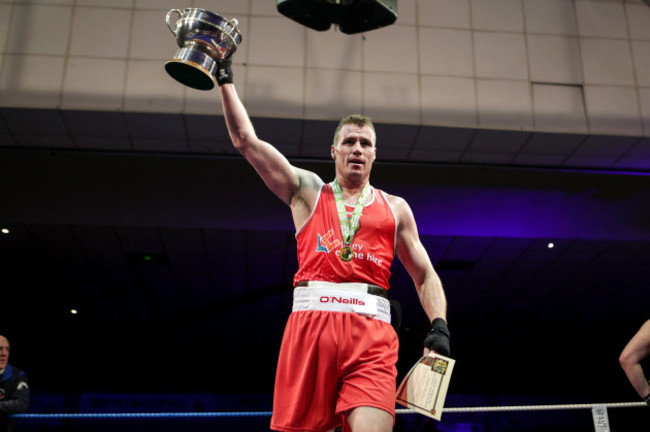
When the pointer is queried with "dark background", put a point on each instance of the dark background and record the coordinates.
(180, 263)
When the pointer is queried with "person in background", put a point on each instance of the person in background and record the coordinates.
(637, 349)
(14, 389)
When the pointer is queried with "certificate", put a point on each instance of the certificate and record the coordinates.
(425, 386)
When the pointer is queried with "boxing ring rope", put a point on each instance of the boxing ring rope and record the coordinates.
(166, 415)
(535, 407)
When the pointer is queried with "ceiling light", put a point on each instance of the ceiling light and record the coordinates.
(351, 16)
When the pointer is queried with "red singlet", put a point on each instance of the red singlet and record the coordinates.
(320, 241)
(332, 362)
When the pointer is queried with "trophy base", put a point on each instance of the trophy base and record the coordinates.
(193, 68)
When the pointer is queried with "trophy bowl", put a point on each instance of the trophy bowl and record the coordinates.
(203, 38)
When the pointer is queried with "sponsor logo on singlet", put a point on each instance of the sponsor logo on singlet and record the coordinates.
(2, 393)
(327, 243)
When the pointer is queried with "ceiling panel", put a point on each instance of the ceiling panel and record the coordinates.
(550, 143)
(96, 124)
(207, 135)
(498, 141)
(443, 138)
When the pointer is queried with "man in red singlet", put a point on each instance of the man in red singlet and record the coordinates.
(338, 355)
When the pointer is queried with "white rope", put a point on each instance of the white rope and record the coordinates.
(268, 413)
(531, 407)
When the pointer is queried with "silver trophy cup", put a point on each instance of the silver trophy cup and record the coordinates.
(203, 37)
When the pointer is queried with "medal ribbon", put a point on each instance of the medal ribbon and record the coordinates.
(349, 226)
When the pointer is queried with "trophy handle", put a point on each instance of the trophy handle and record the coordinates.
(234, 23)
(169, 14)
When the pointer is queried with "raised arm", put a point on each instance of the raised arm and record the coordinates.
(636, 350)
(415, 259)
(276, 171)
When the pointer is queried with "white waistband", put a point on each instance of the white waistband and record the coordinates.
(341, 298)
(347, 286)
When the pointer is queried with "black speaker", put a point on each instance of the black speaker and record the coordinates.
(310, 13)
(352, 16)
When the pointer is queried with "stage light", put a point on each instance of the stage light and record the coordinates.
(351, 16)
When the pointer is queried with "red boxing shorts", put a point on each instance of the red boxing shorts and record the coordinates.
(332, 362)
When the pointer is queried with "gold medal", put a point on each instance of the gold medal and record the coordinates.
(349, 226)
(346, 253)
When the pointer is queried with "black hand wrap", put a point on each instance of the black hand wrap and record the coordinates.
(224, 72)
(438, 338)
(647, 399)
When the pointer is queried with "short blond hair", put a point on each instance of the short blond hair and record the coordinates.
(357, 119)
